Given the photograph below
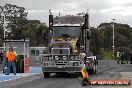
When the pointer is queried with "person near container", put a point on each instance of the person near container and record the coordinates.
(131, 57)
(126, 57)
(11, 56)
(118, 55)
(122, 57)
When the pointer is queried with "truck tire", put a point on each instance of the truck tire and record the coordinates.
(46, 74)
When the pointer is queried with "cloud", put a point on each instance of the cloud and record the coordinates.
(36, 11)
(100, 10)
(125, 12)
(119, 11)
(111, 9)
(95, 4)
(121, 2)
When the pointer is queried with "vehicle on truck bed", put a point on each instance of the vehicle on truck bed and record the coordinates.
(68, 36)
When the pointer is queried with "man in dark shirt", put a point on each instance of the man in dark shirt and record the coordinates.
(131, 56)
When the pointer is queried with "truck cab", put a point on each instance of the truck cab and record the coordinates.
(68, 35)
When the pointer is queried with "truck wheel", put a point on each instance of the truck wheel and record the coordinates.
(46, 74)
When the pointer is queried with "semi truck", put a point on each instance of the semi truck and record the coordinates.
(69, 35)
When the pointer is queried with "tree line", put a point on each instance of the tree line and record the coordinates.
(101, 37)
(14, 19)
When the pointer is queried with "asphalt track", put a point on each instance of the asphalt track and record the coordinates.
(107, 69)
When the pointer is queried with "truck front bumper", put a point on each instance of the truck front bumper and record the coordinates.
(66, 69)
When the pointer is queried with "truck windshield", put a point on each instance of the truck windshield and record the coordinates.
(66, 31)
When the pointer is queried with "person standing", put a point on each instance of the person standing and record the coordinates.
(122, 57)
(83, 57)
(126, 57)
(131, 56)
(11, 56)
(118, 57)
(4, 62)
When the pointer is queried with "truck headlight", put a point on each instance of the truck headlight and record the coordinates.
(76, 57)
(72, 57)
(56, 58)
(50, 58)
(64, 57)
(75, 64)
(45, 58)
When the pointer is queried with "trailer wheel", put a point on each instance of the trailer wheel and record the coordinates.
(46, 74)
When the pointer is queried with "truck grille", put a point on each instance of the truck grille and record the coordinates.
(60, 51)
(60, 56)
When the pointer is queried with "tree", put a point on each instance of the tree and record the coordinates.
(125, 38)
(123, 35)
(37, 32)
(106, 30)
(19, 27)
(96, 40)
(15, 18)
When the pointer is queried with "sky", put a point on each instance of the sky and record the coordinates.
(100, 10)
